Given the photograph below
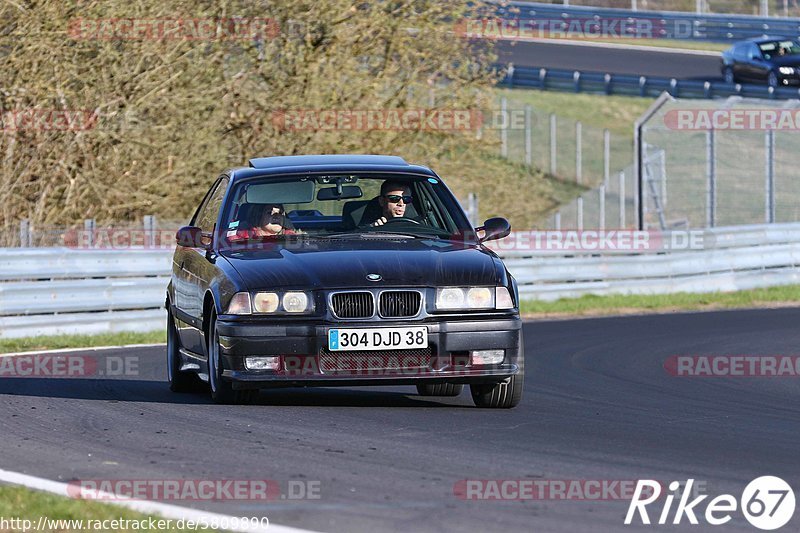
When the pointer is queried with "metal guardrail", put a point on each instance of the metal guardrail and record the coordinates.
(650, 24)
(631, 85)
(77, 291)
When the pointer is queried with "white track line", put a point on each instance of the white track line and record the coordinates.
(174, 512)
(91, 349)
(620, 46)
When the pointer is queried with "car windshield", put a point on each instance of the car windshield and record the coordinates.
(779, 48)
(341, 207)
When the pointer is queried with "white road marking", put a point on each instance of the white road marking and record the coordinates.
(91, 349)
(165, 510)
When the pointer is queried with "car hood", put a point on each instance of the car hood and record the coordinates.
(786, 61)
(332, 264)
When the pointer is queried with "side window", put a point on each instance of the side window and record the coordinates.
(753, 51)
(208, 213)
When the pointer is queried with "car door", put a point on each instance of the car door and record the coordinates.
(757, 66)
(194, 267)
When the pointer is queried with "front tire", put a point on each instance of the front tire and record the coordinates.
(179, 381)
(772, 79)
(503, 395)
(440, 389)
(222, 392)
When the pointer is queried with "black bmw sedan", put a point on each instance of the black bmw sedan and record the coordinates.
(775, 61)
(339, 270)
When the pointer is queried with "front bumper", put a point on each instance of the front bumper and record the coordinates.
(305, 360)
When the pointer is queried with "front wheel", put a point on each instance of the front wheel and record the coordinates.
(503, 395)
(222, 391)
(178, 381)
(772, 79)
(440, 389)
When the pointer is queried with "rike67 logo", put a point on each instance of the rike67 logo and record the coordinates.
(767, 503)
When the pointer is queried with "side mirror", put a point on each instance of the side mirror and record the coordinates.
(193, 237)
(495, 228)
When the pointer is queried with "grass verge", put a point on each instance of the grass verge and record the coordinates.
(23, 504)
(661, 43)
(785, 296)
(26, 344)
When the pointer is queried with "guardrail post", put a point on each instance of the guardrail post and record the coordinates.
(607, 83)
(528, 134)
(89, 227)
(580, 212)
(673, 87)
(769, 197)
(642, 85)
(622, 199)
(25, 238)
(510, 75)
(553, 143)
(606, 156)
(557, 221)
(578, 152)
(542, 78)
(149, 223)
(576, 78)
(504, 127)
(707, 89)
(711, 179)
(602, 193)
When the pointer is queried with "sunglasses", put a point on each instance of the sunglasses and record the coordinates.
(395, 198)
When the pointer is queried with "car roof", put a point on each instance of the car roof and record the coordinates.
(333, 163)
(767, 39)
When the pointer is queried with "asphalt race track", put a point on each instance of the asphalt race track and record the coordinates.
(598, 405)
(682, 66)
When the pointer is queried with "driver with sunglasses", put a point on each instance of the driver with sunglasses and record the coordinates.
(393, 201)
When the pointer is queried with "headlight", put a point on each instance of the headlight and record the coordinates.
(453, 298)
(786, 70)
(295, 302)
(240, 304)
(266, 302)
(292, 302)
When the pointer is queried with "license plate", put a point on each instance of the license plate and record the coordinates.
(352, 339)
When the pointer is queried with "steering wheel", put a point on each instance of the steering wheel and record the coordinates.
(400, 219)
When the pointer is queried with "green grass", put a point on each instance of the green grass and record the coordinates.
(626, 304)
(25, 344)
(17, 502)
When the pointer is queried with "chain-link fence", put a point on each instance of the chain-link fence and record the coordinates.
(725, 162)
(574, 152)
(771, 8)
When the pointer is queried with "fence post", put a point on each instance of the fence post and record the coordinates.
(528, 133)
(602, 193)
(578, 152)
(580, 212)
(504, 128)
(622, 199)
(606, 156)
(25, 240)
(89, 227)
(764, 10)
(553, 143)
(557, 221)
(149, 223)
(769, 197)
(711, 179)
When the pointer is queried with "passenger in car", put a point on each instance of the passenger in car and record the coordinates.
(273, 222)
